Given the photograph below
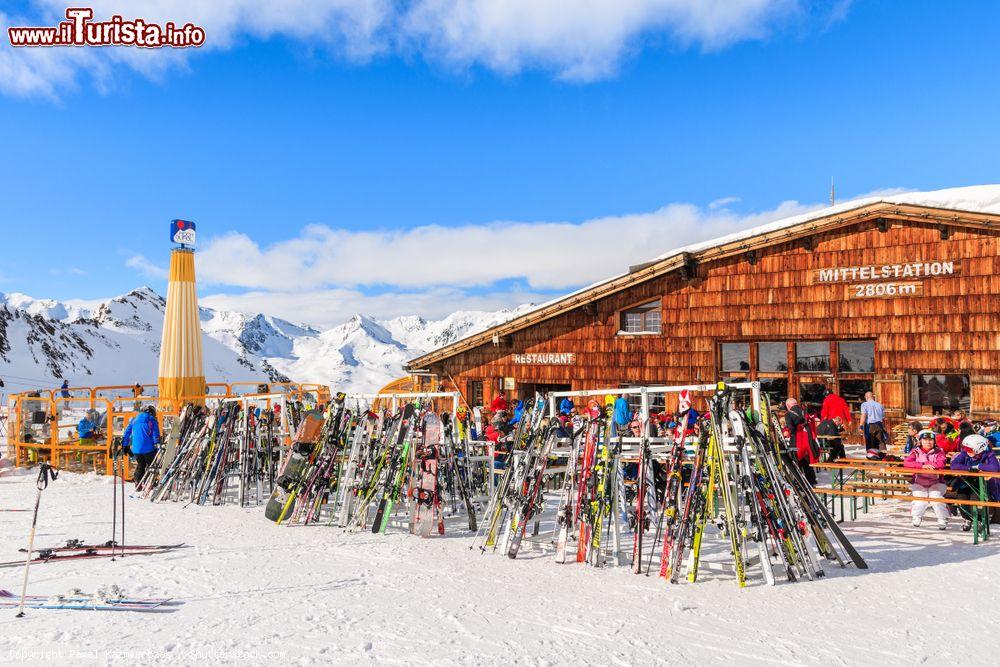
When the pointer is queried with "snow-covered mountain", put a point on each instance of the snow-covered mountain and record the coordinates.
(117, 341)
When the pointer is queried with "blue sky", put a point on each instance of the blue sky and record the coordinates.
(279, 130)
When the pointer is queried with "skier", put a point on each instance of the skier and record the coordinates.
(566, 406)
(622, 415)
(799, 431)
(518, 412)
(86, 426)
(64, 392)
(946, 435)
(873, 423)
(928, 456)
(834, 405)
(829, 431)
(499, 403)
(976, 456)
(141, 438)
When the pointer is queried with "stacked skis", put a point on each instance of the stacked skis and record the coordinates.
(743, 480)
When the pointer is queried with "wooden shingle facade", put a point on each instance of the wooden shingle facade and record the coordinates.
(901, 299)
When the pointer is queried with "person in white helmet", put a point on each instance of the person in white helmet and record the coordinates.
(976, 456)
(928, 458)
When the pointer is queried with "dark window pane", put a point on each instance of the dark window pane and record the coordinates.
(812, 357)
(853, 391)
(939, 394)
(776, 390)
(632, 323)
(811, 395)
(735, 357)
(772, 357)
(857, 356)
(475, 392)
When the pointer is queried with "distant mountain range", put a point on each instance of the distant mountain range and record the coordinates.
(117, 341)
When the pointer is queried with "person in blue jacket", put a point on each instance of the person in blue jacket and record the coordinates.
(141, 438)
(85, 428)
(518, 413)
(622, 415)
(566, 406)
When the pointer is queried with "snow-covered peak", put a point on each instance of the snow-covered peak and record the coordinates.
(116, 341)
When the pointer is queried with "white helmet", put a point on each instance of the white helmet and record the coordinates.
(975, 444)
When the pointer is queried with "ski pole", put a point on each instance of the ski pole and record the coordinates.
(44, 474)
(122, 545)
(114, 500)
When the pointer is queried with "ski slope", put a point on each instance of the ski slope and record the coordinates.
(256, 592)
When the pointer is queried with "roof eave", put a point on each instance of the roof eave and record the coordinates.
(673, 262)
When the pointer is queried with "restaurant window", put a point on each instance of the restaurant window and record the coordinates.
(811, 395)
(735, 357)
(775, 389)
(475, 393)
(812, 357)
(853, 391)
(939, 394)
(857, 356)
(772, 357)
(642, 319)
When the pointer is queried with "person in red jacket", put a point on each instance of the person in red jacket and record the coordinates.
(499, 403)
(834, 405)
(946, 435)
(800, 431)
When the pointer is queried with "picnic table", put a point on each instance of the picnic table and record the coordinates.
(872, 480)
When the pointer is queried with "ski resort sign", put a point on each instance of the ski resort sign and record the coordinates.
(886, 280)
(182, 232)
(546, 359)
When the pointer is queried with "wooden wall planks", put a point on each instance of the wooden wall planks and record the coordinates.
(953, 325)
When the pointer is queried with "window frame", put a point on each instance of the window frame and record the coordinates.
(913, 392)
(641, 308)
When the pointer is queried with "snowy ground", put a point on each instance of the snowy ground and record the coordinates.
(259, 593)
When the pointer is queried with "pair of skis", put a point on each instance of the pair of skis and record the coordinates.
(89, 551)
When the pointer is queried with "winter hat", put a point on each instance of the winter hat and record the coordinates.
(926, 433)
(975, 445)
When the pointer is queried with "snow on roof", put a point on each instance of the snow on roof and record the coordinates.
(973, 199)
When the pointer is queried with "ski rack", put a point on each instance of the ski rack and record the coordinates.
(629, 445)
(658, 445)
(456, 398)
(284, 432)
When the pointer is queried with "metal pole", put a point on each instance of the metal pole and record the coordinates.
(44, 473)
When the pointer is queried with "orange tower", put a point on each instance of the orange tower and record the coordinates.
(181, 370)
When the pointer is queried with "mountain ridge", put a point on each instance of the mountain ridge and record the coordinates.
(117, 340)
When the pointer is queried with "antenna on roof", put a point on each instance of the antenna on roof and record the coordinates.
(833, 193)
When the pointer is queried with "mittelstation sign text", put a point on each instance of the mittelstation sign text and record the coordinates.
(907, 271)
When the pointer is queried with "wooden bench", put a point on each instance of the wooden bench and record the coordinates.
(850, 475)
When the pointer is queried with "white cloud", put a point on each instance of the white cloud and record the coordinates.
(574, 39)
(146, 267)
(544, 255)
(578, 39)
(329, 307)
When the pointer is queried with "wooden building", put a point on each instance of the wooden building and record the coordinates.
(899, 295)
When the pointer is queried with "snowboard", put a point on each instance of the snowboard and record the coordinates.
(425, 491)
(295, 465)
